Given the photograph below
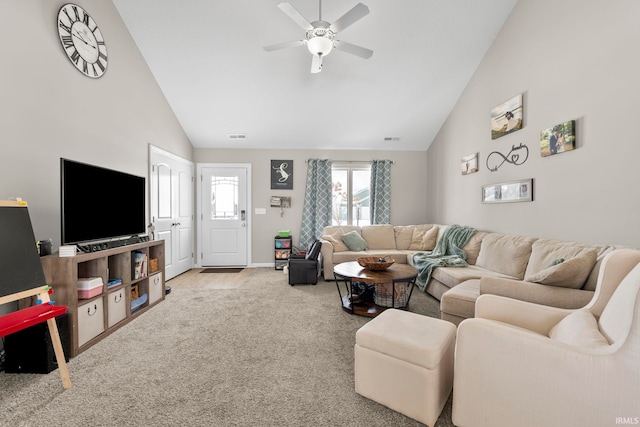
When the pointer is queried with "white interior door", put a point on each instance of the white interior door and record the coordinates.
(224, 214)
(171, 198)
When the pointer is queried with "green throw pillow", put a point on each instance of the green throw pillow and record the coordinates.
(354, 241)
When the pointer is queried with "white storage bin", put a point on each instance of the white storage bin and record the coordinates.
(90, 321)
(116, 307)
(155, 288)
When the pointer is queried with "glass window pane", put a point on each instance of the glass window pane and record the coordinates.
(351, 195)
(360, 200)
(339, 206)
(224, 197)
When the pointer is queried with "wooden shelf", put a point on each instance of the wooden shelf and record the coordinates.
(91, 320)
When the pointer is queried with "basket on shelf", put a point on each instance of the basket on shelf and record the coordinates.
(376, 263)
(391, 295)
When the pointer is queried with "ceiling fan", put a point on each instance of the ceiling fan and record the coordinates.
(320, 35)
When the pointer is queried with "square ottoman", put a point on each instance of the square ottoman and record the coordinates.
(404, 361)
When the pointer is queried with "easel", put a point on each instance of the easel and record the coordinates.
(17, 250)
(22, 319)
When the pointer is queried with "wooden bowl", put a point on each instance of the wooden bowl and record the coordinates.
(376, 263)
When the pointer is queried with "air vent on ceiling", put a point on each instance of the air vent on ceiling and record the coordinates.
(237, 136)
(392, 138)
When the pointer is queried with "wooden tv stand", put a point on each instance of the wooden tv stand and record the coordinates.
(92, 319)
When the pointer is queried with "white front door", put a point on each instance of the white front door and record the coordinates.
(171, 202)
(224, 214)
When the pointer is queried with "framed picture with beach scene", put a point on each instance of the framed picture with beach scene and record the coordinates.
(558, 139)
(506, 117)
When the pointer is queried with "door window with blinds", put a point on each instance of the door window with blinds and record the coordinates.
(351, 183)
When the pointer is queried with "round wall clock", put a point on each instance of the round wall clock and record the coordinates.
(82, 40)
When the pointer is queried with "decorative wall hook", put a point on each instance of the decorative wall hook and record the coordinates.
(512, 157)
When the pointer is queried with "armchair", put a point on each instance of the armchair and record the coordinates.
(524, 364)
(305, 269)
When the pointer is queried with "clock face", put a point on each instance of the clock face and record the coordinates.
(82, 40)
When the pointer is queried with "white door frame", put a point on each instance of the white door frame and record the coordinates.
(199, 167)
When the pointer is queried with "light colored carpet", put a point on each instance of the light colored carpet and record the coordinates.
(241, 349)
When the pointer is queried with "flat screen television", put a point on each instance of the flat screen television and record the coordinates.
(100, 204)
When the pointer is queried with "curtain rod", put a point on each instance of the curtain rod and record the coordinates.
(347, 161)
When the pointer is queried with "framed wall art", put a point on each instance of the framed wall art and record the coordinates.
(558, 139)
(469, 164)
(282, 174)
(506, 117)
(512, 191)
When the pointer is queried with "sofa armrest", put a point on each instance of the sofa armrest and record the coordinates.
(534, 317)
(537, 293)
(326, 253)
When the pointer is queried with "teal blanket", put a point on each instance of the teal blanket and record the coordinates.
(447, 253)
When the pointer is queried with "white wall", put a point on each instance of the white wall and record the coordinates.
(408, 201)
(573, 60)
(49, 110)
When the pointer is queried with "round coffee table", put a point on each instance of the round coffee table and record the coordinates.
(393, 287)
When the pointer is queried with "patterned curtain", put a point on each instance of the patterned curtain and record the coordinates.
(380, 208)
(316, 213)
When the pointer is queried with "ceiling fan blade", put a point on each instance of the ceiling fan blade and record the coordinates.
(356, 13)
(295, 15)
(316, 64)
(353, 49)
(284, 45)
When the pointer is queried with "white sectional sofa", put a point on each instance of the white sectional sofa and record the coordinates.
(545, 271)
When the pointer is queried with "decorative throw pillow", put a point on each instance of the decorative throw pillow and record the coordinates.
(424, 240)
(571, 273)
(579, 328)
(354, 241)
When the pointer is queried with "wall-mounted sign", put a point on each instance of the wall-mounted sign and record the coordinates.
(282, 174)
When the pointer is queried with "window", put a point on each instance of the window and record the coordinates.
(351, 183)
(224, 197)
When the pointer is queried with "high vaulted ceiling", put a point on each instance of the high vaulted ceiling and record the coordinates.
(208, 58)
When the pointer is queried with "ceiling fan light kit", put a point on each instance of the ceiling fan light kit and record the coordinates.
(320, 35)
(320, 40)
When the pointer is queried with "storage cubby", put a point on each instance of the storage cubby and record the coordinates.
(92, 319)
(283, 246)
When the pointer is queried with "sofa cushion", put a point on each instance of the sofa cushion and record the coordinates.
(354, 241)
(579, 328)
(461, 300)
(506, 254)
(379, 236)
(333, 234)
(570, 273)
(536, 293)
(347, 256)
(423, 239)
(545, 251)
(404, 234)
(453, 276)
(472, 248)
